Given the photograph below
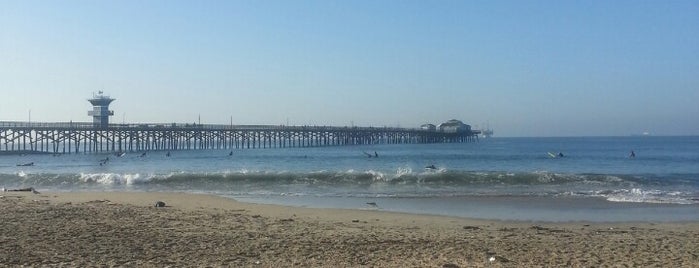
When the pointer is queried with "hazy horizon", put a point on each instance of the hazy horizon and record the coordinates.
(525, 68)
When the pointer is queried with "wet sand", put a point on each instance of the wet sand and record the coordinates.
(125, 229)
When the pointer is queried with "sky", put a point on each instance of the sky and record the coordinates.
(523, 68)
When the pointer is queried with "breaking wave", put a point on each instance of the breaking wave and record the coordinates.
(676, 189)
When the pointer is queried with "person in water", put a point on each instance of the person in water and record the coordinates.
(561, 155)
(632, 155)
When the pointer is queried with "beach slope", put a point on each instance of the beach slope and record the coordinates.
(126, 229)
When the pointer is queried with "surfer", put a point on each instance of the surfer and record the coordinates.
(167, 154)
(230, 154)
(431, 167)
(376, 154)
(26, 164)
(143, 155)
(560, 154)
(632, 155)
(104, 161)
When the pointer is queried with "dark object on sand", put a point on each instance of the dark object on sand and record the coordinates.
(29, 189)
(159, 204)
(26, 164)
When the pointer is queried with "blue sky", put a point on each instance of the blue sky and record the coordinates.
(528, 68)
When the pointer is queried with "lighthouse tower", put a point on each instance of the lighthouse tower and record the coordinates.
(100, 110)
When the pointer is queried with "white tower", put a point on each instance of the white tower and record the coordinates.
(100, 110)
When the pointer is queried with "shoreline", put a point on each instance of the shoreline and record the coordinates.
(502, 208)
(126, 229)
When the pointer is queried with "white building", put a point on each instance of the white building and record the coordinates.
(454, 126)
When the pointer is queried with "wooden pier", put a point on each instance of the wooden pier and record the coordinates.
(69, 137)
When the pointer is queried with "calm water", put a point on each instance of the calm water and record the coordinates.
(499, 178)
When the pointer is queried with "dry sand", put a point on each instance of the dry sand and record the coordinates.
(125, 229)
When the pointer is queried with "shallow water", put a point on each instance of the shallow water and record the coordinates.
(499, 178)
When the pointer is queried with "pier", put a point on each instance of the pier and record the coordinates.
(85, 137)
(102, 136)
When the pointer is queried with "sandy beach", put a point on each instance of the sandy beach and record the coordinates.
(126, 229)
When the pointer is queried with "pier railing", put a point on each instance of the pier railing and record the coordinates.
(89, 125)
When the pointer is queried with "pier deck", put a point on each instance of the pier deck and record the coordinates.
(70, 137)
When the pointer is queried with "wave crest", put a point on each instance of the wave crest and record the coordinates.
(401, 175)
(114, 178)
(402, 182)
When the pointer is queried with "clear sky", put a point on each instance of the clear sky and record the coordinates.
(526, 68)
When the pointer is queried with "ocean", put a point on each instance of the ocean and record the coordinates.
(497, 178)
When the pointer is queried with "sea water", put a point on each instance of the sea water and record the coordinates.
(497, 178)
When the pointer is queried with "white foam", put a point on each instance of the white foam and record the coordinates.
(114, 178)
(404, 171)
(377, 176)
(637, 195)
